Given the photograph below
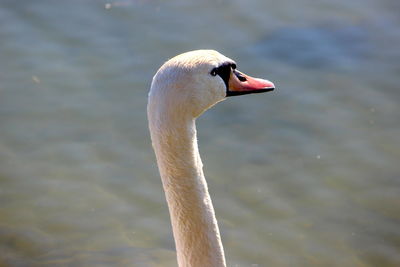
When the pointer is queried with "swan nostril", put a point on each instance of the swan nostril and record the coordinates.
(242, 78)
(239, 76)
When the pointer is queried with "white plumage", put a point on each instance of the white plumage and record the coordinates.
(182, 89)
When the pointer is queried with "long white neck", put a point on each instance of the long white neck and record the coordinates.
(195, 228)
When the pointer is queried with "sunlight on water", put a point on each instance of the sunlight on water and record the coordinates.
(305, 176)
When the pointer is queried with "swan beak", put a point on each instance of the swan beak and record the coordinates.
(242, 84)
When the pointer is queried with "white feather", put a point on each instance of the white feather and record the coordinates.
(182, 90)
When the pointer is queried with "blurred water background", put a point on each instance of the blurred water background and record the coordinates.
(308, 175)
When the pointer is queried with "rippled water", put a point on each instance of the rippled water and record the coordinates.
(307, 175)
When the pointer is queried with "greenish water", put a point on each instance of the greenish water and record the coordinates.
(308, 175)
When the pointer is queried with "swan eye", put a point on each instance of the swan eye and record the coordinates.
(233, 66)
(214, 72)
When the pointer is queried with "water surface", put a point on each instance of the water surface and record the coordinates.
(307, 175)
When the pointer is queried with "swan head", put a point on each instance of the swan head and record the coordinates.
(192, 82)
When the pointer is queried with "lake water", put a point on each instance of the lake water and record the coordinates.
(308, 175)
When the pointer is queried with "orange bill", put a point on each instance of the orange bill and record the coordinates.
(241, 84)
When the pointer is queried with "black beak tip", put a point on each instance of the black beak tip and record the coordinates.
(267, 89)
(257, 91)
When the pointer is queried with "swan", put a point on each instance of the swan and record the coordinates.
(181, 90)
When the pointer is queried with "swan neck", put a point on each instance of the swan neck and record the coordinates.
(197, 238)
